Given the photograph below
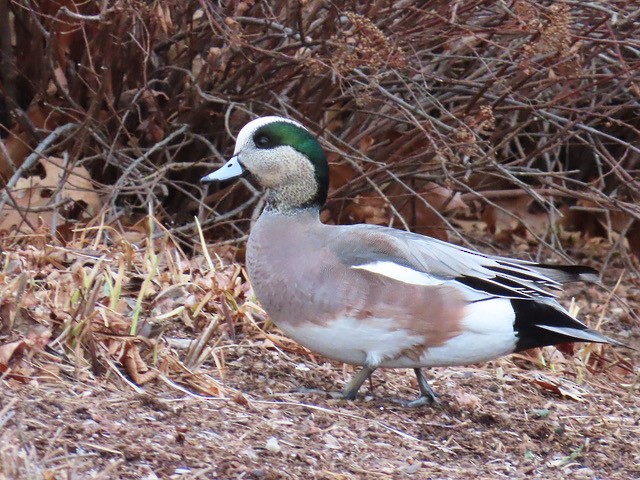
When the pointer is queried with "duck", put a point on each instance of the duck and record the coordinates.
(379, 297)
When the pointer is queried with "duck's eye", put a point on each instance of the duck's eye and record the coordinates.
(262, 141)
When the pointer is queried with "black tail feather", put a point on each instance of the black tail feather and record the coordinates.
(539, 324)
(568, 273)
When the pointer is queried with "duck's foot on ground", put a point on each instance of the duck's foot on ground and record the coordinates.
(350, 392)
(427, 395)
(421, 401)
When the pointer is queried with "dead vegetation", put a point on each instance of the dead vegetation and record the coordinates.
(500, 110)
(130, 349)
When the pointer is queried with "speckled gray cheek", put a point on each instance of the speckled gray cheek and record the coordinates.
(288, 175)
(299, 186)
(265, 168)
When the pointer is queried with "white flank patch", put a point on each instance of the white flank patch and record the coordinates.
(490, 317)
(354, 341)
(487, 334)
(400, 273)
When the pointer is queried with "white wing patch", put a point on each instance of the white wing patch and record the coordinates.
(400, 273)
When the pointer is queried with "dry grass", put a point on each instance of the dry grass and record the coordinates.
(128, 349)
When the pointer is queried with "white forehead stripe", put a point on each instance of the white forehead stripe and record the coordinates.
(249, 129)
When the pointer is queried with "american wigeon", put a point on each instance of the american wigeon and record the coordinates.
(381, 297)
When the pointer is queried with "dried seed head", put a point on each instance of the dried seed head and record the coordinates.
(556, 33)
(364, 46)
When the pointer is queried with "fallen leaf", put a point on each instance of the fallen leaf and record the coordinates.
(519, 215)
(9, 350)
(466, 400)
(368, 208)
(34, 194)
(136, 366)
(560, 387)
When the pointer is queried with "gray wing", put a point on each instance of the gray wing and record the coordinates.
(493, 275)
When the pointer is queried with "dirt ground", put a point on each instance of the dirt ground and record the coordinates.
(552, 414)
(488, 426)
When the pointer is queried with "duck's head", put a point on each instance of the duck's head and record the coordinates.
(282, 156)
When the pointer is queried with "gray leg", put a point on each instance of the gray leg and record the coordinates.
(427, 395)
(351, 390)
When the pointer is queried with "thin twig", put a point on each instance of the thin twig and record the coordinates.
(37, 154)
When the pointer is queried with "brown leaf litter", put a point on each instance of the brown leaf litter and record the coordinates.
(205, 387)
